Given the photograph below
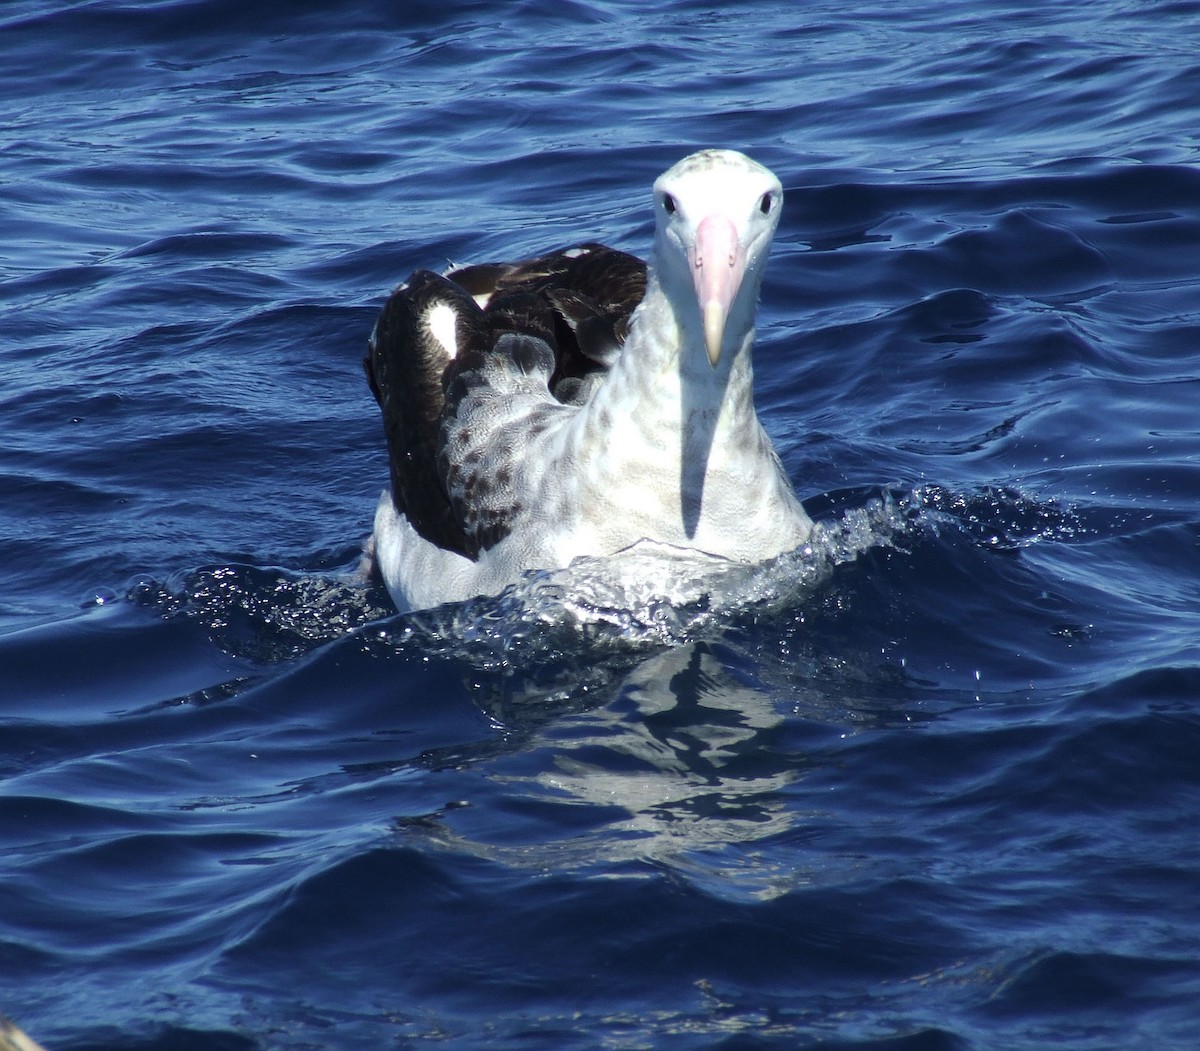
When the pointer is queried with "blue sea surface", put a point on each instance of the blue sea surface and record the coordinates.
(931, 784)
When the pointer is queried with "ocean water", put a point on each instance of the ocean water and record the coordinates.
(932, 783)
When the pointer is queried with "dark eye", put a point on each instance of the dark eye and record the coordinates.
(668, 204)
(764, 205)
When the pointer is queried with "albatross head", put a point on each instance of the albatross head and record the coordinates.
(715, 213)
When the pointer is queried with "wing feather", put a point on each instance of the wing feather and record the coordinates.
(531, 341)
(406, 365)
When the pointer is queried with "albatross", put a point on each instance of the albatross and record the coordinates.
(583, 401)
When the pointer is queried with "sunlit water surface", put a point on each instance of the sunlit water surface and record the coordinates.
(930, 782)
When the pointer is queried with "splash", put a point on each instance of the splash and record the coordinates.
(1000, 518)
(265, 614)
(646, 596)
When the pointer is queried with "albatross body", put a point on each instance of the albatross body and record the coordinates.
(577, 403)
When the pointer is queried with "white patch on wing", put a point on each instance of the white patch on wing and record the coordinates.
(442, 322)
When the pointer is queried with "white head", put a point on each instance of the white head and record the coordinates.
(715, 215)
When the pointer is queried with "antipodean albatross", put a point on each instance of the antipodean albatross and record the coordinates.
(579, 402)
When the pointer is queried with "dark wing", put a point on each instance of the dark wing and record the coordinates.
(406, 369)
(551, 324)
(591, 290)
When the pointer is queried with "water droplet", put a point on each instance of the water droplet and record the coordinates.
(99, 597)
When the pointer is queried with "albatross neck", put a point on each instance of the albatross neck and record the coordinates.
(676, 443)
(664, 368)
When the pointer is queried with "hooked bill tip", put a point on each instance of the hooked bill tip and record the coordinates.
(714, 330)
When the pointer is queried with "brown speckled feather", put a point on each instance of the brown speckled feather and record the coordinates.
(565, 314)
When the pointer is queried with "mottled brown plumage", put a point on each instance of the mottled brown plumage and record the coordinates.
(568, 313)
